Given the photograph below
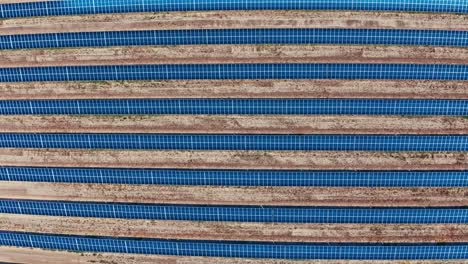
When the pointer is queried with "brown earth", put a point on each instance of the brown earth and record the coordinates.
(216, 54)
(236, 231)
(223, 195)
(233, 159)
(339, 160)
(233, 19)
(237, 124)
(237, 89)
(39, 256)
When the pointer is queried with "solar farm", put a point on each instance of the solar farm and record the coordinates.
(234, 131)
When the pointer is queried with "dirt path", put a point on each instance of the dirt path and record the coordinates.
(222, 195)
(236, 159)
(233, 19)
(236, 231)
(238, 124)
(39, 256)
(237, 89)
(233, 54)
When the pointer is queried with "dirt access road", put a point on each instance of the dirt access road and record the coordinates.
(236, 124)
(233, 19)
(38, 256)
(216, 195)
(226, 54)
(237, 89)
(280, 160)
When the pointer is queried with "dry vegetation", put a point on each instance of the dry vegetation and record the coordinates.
(236, 124)
(288, 196)
(231, 124)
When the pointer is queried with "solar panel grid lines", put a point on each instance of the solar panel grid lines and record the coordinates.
(236, 248)
(215, 144)
(263, 214)
(238, 36)
(237, 142)
(71, 7)
(236, 106)
(236, 72)
(330, 178)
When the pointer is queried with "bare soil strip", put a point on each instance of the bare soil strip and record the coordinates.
(218, 54)
(237, 124)
(315, 160)
(222, 195)
(233, 19)
(236, 231)
(39, 256)
(236, 89)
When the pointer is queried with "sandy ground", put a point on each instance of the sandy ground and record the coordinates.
(38, 256)
(215, 195)
(233, 19)
(353, 160)
(233, 54)
(230, 159)
(237, 89)
(190, 230)
(238, 124)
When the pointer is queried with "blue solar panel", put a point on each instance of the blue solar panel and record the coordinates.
(330, 178)
(237, 36)
(70, 7)
(239, 213)
(238, 142)
(235, 249)
(236, 106)
(236, 71)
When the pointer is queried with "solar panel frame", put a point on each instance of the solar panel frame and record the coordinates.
(279, 142)
(244, 106)
(339, 71)
(323, 178)
(221, 213)
(238, 36)
(74, 7)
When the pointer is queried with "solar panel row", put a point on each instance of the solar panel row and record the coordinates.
(264, 214)
(235, 106)
(237, 36)
(275, 214)
(71, 7)
(236, 71)
(238, 177)
(237, 142)
(237, 249)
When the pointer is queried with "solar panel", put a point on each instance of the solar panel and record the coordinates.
(71, 7)
(330, 178)
(267, 214)
(238, 36)
(236, 106)
(238, 249)
(236, 71)
(238, 142)
(219, 213)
